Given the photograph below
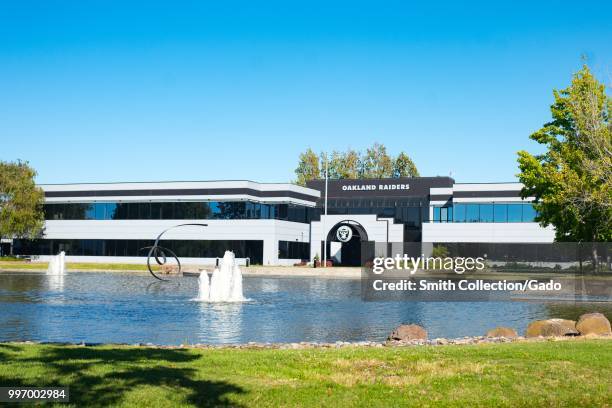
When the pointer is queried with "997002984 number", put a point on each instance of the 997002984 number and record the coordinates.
(18, 394)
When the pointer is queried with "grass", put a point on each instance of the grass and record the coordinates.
(566, 373)
(75, 266)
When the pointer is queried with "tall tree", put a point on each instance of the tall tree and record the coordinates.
(21, 201)
(351, 164)
(572, 180)
(344, 165)
(308, 167)
(376, 163)
(403, 166)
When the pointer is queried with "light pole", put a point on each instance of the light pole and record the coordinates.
(324, 218)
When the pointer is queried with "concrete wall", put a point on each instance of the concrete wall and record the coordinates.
(269, 231)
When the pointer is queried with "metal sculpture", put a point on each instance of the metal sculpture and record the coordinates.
(159, 253)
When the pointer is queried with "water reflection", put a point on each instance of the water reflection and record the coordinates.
(55, 282)
(220, 322)
(130, 308)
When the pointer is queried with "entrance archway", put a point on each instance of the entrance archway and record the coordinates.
(344, 242)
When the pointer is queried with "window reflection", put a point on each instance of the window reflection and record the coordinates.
(472, 213)
(221, 210)
(529, 213)
(485, 212)
(500, 213)
(459, 213)
(515, 212)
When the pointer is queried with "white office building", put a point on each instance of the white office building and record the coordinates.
(276, 224)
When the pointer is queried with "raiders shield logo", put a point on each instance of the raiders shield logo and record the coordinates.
(344, 233)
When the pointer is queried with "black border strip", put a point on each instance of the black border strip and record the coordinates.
(185, 192)
(440, 197)
(474, 194)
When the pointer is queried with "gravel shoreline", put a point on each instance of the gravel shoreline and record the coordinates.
(461, 341)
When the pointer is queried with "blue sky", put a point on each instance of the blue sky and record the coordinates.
(106, 91)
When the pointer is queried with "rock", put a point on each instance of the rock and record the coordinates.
(406, 332)
(551, 328)
(594, 323)
(502, 332)
(169, 269)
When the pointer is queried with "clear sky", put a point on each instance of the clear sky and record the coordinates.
(94, 91)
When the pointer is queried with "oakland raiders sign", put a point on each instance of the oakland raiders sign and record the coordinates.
(344, 233)
(380, 188)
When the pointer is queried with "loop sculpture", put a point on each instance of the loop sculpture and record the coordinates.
(159, 253)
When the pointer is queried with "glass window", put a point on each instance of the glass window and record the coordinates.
(450, 214)
(202, 211)
(529, 213)
(500, 212)
(179, 211)
(155, 211)
(436, 214)
(459, 213)
(273, 211)
(144, 211)
(132, 211)
(515, 212)
(472, 213)
(167, 210)
(265, 211)
(98, 211)
(121, 213)
(190, 210)
(486, 212)
(111, 208)
(444, 214)
(282, 212)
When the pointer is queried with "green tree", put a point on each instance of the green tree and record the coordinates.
(403, 166)
(308, 167)
(376, 163)
(343, 165)
(21, 201)
(351, 164)
(572, 180)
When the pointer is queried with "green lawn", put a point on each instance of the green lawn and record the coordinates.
(565, 373)
(75, 266)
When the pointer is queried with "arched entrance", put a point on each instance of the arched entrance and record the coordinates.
(344, 243)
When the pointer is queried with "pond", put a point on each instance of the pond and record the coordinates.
(132, 308)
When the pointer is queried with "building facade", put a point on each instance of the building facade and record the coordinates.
(277, 224)
(266, 223)
(423, 209)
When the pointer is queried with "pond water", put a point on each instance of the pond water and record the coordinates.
(128, 308)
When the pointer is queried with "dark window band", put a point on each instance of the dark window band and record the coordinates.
(252, 249)
(293, 250)
(473, 194)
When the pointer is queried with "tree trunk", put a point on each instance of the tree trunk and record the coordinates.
(594, 258)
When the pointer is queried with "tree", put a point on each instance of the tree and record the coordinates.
(308, 167)
(376, 163)
(21, 202)
(344, 165)
(351, 164)
(572, 180)
(403, 166)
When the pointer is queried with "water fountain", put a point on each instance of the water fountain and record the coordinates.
(57, 265)
(225, 285)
